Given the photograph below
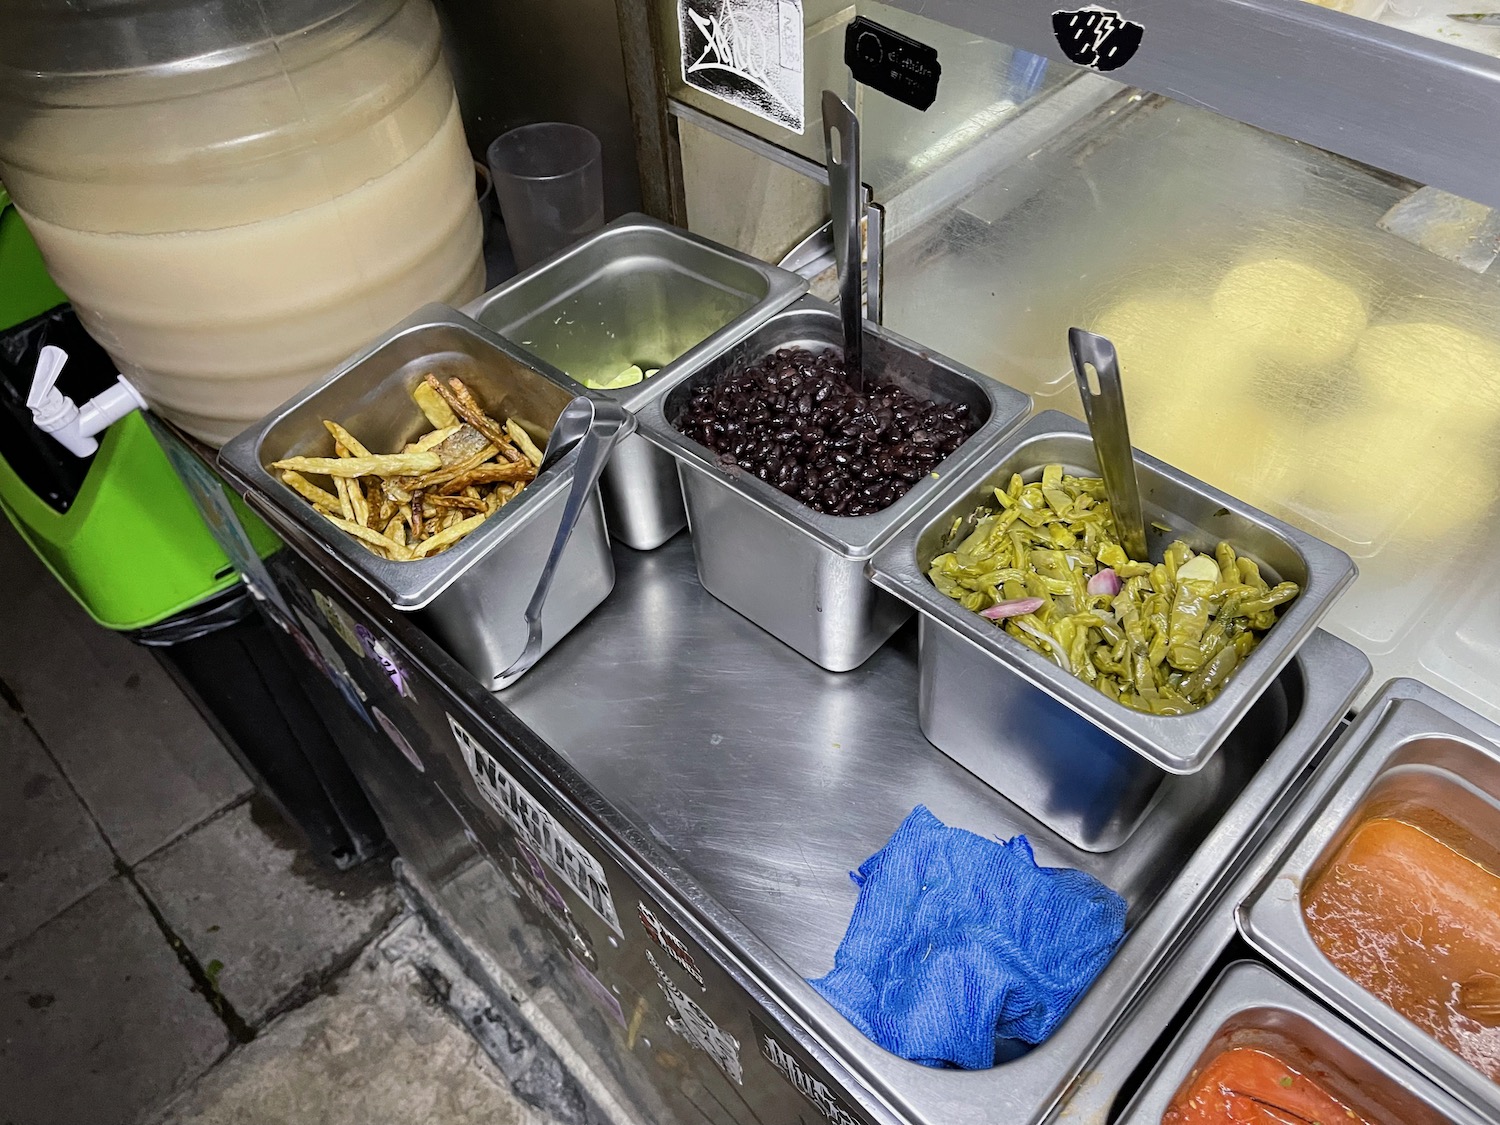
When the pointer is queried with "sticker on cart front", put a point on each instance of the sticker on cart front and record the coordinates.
(380, 652)
(595, 987)
(698, 1028)
(672, 945)
(530, 877)
(538, 828)
(804, 1081)
(747, 53)
(334, 668)
(339, 621)
(393, 732)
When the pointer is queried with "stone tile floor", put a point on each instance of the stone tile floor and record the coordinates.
(168, 952)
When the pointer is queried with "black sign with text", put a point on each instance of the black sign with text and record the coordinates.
(892, 63)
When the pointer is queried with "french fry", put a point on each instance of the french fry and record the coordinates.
(489, 474)
(465, 445)
(380, 507)
(432, 440)
(453, 472)
(447, 537)
(357, 502)
(395, 530)
(523, 442)
(467, 503)
(432, 404)
(378, 464)
(343, 437)
(346, 506)
(463, 403)
(374, 538)
(414, 516)
(321, 498)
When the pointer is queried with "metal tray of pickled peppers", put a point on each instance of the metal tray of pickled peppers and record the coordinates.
(1087, 767)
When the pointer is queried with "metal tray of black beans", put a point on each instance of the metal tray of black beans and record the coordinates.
(796, 567)
(797, 420)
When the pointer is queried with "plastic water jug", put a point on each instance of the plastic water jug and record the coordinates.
(237, 195)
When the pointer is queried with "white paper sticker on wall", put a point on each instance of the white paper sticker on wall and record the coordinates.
(747, 53)
(538, 828)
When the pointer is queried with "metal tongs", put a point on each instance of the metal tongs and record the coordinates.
(1104, 407)
(593, 425)
(844, 191)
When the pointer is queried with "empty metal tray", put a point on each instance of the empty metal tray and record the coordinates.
(645, 293)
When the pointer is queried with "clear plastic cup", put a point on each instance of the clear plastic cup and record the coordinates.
(550, 184)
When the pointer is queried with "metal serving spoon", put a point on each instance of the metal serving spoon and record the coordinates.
(844, 190)
(593, 425)
(1104, 407)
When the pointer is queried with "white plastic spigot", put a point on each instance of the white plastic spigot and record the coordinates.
(72, 425)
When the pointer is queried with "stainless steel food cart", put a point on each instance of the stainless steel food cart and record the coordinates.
(649, 836)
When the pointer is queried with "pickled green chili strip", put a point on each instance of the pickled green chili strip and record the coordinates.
(1165, 643)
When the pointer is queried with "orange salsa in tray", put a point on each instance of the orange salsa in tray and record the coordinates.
(1408, 907)
(1253, 1086)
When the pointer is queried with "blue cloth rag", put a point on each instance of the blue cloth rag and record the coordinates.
(957, 940)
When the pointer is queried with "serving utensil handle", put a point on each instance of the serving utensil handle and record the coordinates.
(844, 192)
(1104, 408)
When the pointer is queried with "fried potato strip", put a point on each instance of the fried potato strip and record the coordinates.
(436, 490)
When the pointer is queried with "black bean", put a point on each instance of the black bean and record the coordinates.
(793, 419)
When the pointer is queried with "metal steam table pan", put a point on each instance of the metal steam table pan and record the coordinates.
(797, 573)
(1250, 1006)
(1414, 753)
(645, 293)
(1090, 767)
(472, 597)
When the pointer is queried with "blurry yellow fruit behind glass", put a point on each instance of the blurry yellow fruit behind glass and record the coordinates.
(1289, 311)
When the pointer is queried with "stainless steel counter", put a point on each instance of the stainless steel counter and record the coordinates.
(729, 785)
(767, 780)
(770, 779)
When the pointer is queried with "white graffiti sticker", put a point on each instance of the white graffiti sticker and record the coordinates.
(747, 53)
(695, 1025)
(811, 1087)
(538, 828)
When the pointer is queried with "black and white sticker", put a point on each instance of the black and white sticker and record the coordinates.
(747, 53)
(833, 1108)
(1095, 37)
(538, 828)
(698, 1028)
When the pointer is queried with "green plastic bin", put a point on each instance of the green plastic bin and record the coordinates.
(26, 289)
(132, 547)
